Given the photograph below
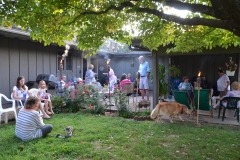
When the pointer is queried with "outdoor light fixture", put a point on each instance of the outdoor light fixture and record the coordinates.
(198, 87)
(108, 70)
(60, 69)
(132, 64)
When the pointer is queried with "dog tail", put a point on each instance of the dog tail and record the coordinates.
(154, 112)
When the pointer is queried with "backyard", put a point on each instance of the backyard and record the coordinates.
(101, 137)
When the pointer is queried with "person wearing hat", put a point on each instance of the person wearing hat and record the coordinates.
(186, 86)
(223, 83)
(235, 92)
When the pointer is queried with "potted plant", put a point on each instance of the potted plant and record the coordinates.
(162, 83)
(174, 71)
(231, 67)
(143, 103)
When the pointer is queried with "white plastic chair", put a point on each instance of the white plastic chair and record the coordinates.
(19, 102)
(6, 110)
(34, 92)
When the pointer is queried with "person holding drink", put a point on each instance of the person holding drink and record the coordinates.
(20, 91)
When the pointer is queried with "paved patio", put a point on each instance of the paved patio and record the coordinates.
(230, 120)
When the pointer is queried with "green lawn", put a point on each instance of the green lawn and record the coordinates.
(100, 137)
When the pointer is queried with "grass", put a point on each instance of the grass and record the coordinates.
(100, 137)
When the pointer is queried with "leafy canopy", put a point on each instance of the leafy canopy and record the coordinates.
(210, 23)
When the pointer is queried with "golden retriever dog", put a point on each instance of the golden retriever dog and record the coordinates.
(170, 108)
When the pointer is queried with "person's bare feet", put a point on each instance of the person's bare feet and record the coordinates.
(46, 116)
(49, 112)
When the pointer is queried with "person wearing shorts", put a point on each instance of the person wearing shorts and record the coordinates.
(144, 71)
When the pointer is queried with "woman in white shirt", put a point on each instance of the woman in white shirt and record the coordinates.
(20, 89)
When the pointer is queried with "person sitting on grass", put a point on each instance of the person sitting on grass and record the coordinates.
(29, 124)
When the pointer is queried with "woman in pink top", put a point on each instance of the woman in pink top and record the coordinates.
(124, 80)
(112, 77)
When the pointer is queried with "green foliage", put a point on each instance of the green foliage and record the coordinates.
(174, 71)
(163, 82)
(57, 101)
(121, 101)
(163, 85)
(143, 113)
(77, 99)
(89, 23)
(98, 109)
(101, 137)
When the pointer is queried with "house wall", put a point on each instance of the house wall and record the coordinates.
(207, 64)
(29, 59)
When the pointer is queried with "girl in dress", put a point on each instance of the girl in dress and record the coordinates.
(44, 97)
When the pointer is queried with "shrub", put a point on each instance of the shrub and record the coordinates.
(121, 104)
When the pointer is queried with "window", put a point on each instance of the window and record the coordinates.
(67, 62)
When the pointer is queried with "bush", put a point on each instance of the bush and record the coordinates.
(57, 101)
(99, 109)
(81, 98)
(121, 104)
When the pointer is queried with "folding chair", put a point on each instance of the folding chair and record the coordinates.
(204, 100)
(182, 97)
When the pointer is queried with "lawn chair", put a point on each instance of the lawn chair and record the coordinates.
(204, 101)
(231, 103)
(128, 88)
(182, 97)
(19, 102)
(6, 110)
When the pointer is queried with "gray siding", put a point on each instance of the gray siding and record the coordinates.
(28, 58)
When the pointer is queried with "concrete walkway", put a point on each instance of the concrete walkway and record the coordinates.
(203, 115)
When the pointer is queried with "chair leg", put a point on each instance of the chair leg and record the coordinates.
(219, 112)
(6, 117)
(237, 114)
(15, 113)
(224, 110)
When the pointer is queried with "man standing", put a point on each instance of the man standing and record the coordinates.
(144, 71)
(223, 83)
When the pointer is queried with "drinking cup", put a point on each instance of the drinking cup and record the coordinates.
(24, 95)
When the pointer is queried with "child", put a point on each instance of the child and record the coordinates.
(44, 97)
